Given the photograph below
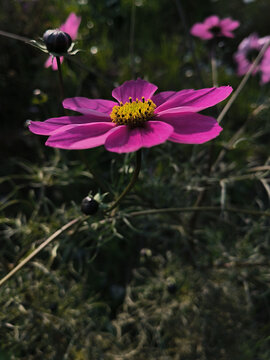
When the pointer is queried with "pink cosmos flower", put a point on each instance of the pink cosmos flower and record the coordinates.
(265, 67)
(247, 51)
(70, 26)
(138, 119)
(213, 27)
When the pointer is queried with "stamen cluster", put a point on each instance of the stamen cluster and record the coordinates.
(133, 113)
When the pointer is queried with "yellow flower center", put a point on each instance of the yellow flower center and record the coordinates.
(133, 113)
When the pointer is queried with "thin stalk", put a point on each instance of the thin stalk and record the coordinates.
(243, 82)
(214, 65)
(201, 196)
(15, 37)
(131, 39)
(61, 83)
(197, 209)
(189, 41)
(215, 84)
(39, 248)
(132, 181)
(235, 264)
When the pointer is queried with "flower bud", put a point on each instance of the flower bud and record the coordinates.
(89, 206)
(171, 285)
(57, 41)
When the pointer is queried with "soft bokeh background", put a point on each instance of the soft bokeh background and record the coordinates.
(180, 285)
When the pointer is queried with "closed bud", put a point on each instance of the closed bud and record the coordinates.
(57, 41)
(89, 206)
(171, 285)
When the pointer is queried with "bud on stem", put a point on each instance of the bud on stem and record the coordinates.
(57, 42)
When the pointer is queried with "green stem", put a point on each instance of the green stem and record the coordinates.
(131, 39)
(189, 41)
(15, 37)
(214, 65)
(132, 181)
(243, 82)
(61, 84)
(198, 209)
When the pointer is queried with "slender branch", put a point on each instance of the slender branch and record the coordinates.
(131, 39)
(61, 83)
(214, 65)
(15, 37)
(194, 208)
(132, 181)
(189, 40)
(39, 248)
(243, 82)
(232, 264)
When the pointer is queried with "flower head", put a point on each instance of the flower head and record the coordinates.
(70, 26)
(213, 27)
(247, 52)
(137, 119)
(57, 42)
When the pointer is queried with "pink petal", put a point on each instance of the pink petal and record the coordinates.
(192, 128)
(251, 42)
(194, 100)
(160, 98)
(83, 136)
(136, 89)
(265, 67)
(71, 25)
(43, 127)
(212, 21)
(48, 62)
(49, 126)
(51, 61)
(263, 40)
(265, 64)
(124, 140)
(265, 77)
(201, 30)
(83, 105)
(228, 24)
(243, 64)
(226, 33)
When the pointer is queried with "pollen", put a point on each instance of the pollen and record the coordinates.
(133, 113)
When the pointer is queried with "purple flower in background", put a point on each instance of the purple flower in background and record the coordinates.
(70, 26)
(213, 27)
(137, 119)
(265, 67)
(247, 52)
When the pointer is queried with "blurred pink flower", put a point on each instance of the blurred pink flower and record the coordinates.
(213, 27)
(70, 26)
(265, 67)
(247, 51)
(138, 119)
